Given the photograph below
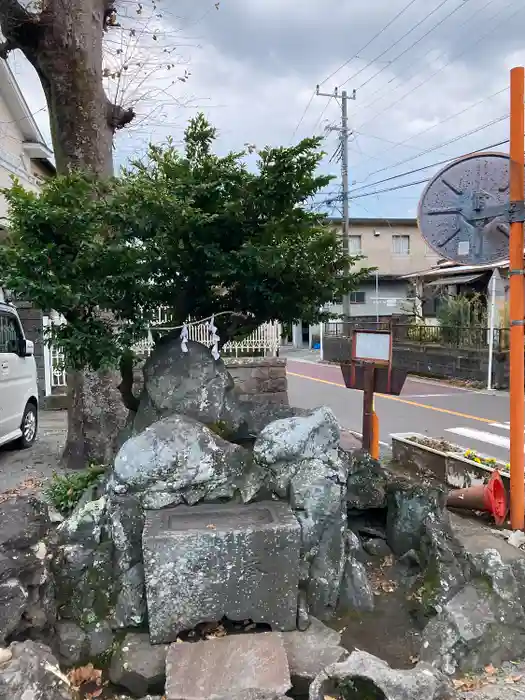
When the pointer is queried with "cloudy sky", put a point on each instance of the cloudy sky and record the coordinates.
(431, 80)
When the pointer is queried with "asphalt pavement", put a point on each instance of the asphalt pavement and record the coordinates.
(476, 420)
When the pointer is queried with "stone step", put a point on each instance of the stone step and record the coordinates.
(222, 668)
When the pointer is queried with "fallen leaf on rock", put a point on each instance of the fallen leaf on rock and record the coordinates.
(468, 683)
(211, 526)
(490, 670)
(413, 659)
(85, 674)
(513, 679)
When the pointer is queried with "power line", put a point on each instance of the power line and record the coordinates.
(302, 116)
(397, 144)
(407, 33)
(381, 31)
(415, 43)
(439, 146)
(318, 122)
(389, 24)
(426, 80)
(432, 165)
(390, 189)
(442, 53)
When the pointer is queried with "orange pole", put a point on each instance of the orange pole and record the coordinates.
(517, 302)
(374, 446)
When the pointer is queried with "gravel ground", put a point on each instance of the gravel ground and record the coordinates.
(505, 683)
(27, 469)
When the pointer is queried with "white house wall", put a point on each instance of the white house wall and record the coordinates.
(13, 160)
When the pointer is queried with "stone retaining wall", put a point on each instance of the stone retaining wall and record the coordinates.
(259, 377)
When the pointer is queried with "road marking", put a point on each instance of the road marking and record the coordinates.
(427, 396)
(501, 426)
(400, 400)
(481, 436)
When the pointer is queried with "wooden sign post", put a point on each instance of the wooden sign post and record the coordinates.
(370, 370)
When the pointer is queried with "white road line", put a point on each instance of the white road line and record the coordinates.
(482, 436)
(424, 396)
(501, 426)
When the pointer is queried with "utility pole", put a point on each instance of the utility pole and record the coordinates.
(344, 133)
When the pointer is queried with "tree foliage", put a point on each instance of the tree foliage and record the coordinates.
(192, 231)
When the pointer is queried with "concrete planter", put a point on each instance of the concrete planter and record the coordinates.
(449, 466)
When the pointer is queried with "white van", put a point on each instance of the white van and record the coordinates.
(18, 381)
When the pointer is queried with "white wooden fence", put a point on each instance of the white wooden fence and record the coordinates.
(266, 339)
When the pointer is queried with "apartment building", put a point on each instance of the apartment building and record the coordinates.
(396, 248)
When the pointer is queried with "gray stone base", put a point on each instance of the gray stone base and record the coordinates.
(205, 562)
(222, 668)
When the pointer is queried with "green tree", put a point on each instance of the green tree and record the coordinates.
(192, 231)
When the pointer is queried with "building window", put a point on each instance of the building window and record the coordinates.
(354, 245)
(357, 297)
(401, 245)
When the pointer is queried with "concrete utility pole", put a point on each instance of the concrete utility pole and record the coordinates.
(344, 133)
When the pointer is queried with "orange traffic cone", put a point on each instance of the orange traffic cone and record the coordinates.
(490, 497)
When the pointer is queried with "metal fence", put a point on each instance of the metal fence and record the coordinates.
(473, 337)
(343, 329)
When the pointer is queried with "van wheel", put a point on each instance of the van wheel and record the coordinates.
(29, 426)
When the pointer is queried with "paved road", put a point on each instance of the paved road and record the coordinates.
(474, 419)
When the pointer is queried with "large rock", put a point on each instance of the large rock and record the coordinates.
(83, 566)
(483, 623)
(367, 483)
(356, 591)
(304, 463)
(138, 665)
(306, 437)
(192, 384)
(32, 673)
(195, 385)
(26, 587)
(409, 507)
(223, 668)
(24, 521)
(310, 652)
(125, 525)
(206, 562)
(365, 676)
(178, 460)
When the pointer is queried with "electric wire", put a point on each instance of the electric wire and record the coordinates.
(381, 89)
(415, 43)
(378, 34)
(451, 141)
(381, 31)
(389, 48)
(432, 165)
(430, 77)
(397, 144)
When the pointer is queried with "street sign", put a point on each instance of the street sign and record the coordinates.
(372, 346)
(464, 211)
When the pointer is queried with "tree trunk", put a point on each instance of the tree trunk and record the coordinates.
(64, 44)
